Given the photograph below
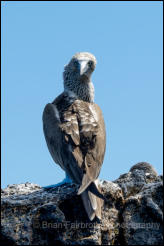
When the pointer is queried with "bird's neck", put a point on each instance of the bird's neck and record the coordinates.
(81, 90)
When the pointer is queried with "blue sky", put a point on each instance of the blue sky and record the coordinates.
(39, 38)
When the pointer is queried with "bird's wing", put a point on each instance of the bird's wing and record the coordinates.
(76, 140)
(52, 132)
(94, 132)
(63, 140)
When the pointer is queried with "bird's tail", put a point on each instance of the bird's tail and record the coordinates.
(92, 203)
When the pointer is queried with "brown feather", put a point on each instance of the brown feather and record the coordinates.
(75, 136)
(75, 132)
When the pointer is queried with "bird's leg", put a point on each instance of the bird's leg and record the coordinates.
(66, 180)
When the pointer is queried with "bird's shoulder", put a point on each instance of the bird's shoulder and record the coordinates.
(89, 115)
(59, 105)
(75, 117)
(69, 106)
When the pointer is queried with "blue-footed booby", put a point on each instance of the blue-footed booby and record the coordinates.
(74, 130)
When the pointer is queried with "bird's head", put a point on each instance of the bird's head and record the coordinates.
(77, 74)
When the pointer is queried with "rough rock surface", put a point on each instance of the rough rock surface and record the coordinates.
(131, 214)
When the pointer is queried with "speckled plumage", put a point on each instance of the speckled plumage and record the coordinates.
(75, 132)
(81, 85)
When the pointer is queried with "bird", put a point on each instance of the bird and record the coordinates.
(75, 134)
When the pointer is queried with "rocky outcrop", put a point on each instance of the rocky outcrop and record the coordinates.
(131, 214)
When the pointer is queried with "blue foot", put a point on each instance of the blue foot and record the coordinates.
(67, 180)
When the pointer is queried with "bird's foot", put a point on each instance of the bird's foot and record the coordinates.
(67, 180)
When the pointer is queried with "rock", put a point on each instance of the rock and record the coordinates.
(131, 214)
(139, 175)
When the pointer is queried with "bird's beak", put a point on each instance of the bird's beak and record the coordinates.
(83, 67)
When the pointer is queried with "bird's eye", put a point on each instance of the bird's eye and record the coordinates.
(90, 63)
(75, 63)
